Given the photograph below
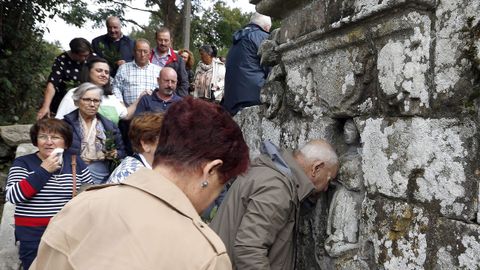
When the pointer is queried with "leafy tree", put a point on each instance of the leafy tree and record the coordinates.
(25, 59)
(168, 13)
(217, 25)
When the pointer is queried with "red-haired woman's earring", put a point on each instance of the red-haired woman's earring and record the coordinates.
(204, 184)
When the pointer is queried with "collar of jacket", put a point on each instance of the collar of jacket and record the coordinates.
(159, 186)
(172, 56)
(304, 187)
(156, 185)
(73, 117)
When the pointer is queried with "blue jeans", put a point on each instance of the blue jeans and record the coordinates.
(27, 252)
(99, 171)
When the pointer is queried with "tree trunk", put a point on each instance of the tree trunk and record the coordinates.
(187, 10)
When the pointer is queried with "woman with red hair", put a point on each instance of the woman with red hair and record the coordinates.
(151, 220)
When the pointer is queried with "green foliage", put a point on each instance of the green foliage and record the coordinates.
(25, 59)
(23, 75)
(148, 31)
(217, 25)
(110, 54)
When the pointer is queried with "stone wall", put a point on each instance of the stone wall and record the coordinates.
(13, 139)
(394, 86)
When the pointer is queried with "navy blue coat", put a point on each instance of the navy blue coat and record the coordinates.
(125, 48)
(244, 76)
(73, 120)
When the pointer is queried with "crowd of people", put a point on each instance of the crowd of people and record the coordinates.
(157, 144)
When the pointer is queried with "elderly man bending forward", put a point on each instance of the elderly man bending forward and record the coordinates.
(259, 216)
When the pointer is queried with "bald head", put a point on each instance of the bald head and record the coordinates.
(167, 82)
(319, 161)
(320, 150)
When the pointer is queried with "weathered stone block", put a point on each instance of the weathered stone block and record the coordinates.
(428, 160)
(25, 149)
(351, 264)
(15, 134)
(456, 245)
(348, 174)
(286, 134)
(312, 236)
(272, 96)
(343, 220)
(267, 52)
(322, 16)
(377, 66)
(398, 231)
(302, 21)
(277, 8)
(452, 67)
(250, 122)
(5, 150)
(8, 250)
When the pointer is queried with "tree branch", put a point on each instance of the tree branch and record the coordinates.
(134, 8)
(135, 23)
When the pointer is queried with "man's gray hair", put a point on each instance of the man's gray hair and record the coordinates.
(142, 40)
(263, 21)
(82, 89)
(113, 18)
(319, 150)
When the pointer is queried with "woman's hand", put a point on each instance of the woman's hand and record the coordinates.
(51, 163)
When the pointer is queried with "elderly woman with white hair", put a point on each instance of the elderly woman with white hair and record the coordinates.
(95, 138)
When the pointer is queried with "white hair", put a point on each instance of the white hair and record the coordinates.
(82, 89)
(320, 150)
(263, 21)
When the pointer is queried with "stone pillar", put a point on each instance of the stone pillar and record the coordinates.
(394, 86)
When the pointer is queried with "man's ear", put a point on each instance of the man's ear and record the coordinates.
(317, 166)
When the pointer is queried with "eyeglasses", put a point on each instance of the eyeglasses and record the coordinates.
(90, 100)
(142, 52)
(53, 138)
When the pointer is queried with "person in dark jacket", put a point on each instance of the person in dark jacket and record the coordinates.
(114, 46)
(164, 56)
(95, 138)
(189, 60)
(245, 76)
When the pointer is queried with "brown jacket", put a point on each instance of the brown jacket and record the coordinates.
(257, 219)
(144, 223)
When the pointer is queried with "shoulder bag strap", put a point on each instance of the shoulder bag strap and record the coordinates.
(74, 175)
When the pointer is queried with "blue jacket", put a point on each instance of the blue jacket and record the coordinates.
(153, 103)
(125, 48)
(74, 122)
(245, 76)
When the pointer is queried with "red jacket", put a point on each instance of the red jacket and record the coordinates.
(176, 62)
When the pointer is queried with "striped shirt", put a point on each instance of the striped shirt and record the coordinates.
(131, 80)
(38, 194)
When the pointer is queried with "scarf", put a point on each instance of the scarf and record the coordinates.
(93, 140)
